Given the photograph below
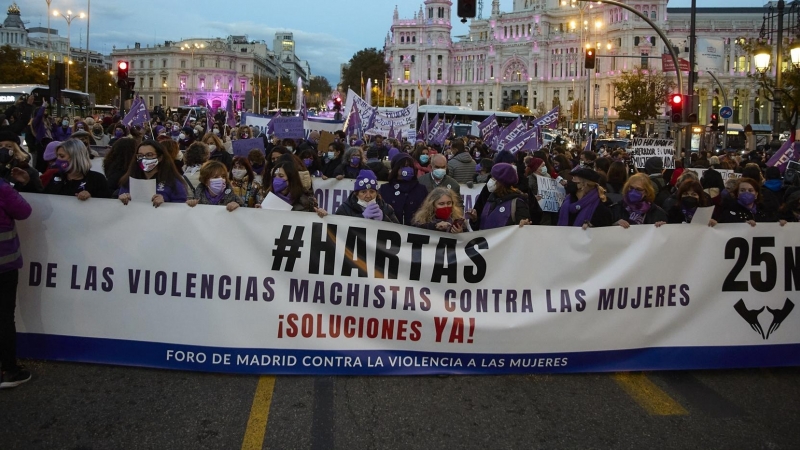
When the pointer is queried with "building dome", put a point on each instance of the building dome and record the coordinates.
(13, 19)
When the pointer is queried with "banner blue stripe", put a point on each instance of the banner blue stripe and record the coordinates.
(317, 362)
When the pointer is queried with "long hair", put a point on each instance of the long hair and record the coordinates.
(693, 186)
(79, 161)
(167, 170)
(427, 211)
(245, 163)
(296, 189)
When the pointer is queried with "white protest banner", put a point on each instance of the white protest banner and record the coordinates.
(552, 194)
(727, 174)
(376, 122)
(710, 54)
(256, 121)
(645, 148)
(290, 293)
(331, 193)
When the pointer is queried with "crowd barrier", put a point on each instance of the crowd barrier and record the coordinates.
(268, 292)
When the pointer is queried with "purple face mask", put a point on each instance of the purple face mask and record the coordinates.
(60, 164)
(746, 198)
(308, 162)
(406, 173)
(279, 184)
(355, 160)
(634, 197)
(118, 133)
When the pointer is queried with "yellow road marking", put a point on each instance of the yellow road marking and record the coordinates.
(259, 412)
(649, 396)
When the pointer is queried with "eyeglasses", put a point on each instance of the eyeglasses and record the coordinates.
(146, 156)
(637, 189)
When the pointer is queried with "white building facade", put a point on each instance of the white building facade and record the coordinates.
(200, 71)
(533, 56)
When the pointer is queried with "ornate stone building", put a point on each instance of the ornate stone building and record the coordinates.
(533, 56)
(200, 71)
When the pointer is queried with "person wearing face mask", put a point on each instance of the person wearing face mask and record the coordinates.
(257, 162)
(243, 132)
(533, 167)
(403, 192)
(375, 164)
(333, 160)
(352, 164)
(62, 130)
(75, 177)
(587, 159)
(461, 166)
(506, 205)
(584, 205)
(310, 161)
(243, 181)
(186, 137)
(483, 170)
(99, 136)
(214, 188)
(690, 196)
(15, 166)
(289, 144)
(422, 158)
(287, 184)
(194, 158)
(153, 161)
(218, 151)
(745, 205)
(637, 206)
(365, 201)
(438, 176)
(440, 211)
(119, 133)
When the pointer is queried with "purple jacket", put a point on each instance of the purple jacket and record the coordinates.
(12, 207)
(60, 133)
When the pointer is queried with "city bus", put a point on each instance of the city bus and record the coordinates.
(72, 102)
(462, 114)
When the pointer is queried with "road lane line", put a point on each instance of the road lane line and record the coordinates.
(649, 396)
(259, 412)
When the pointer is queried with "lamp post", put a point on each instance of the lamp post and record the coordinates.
(192, 47)
(49, 48)
(69, 17)
(763, 57)
(86, 77)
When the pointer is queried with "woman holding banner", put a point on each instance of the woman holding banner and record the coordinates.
(365, 201)
(287, 184)
(352, 164)
(403, 192)
(75, 176)
(214, 188)
(584, 205)
(243, 181)
(440, 211)
(638, 205)
(745, 206)
(690, 197)
(506, 205)
(154, 162)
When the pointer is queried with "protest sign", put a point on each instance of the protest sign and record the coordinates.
(241, 147)
(290, 127)
(646, 148)
(552, 193)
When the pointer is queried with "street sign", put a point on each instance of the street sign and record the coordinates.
(726, 112)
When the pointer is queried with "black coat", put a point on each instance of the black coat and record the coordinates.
(329, 169)
(655, 214)
(733, 212)
(94, 182)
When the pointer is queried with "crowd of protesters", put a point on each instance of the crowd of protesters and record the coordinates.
(192, 160)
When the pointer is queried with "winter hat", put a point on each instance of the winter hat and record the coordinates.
(653, 165)
(399, 157)
(89, 122)
(9, 136)
(358, 143)
(772, 173)
(505, 173)
(504, 156)
(393, 151)
(366, 180)
(586, 174)
(50, 150)
(535, 163)
(187, 130)
(712, 179)
(159, 129)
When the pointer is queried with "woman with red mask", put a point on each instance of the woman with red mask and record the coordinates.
(440, 211)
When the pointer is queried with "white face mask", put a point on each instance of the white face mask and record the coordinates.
(181, 136)
(543, 170)
(491, 185)
(212, 147)
(216, 132)
(238, 173)
(365, 204)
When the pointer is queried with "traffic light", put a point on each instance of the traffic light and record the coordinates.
(714, 121)
(589, 61)
(466, 9)
(676, 105)
(337, 104)
(122, 74)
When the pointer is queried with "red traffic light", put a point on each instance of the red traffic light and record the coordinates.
(122, 65)
(590, 52)
(676, 99)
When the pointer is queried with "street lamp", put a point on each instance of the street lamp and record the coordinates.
(192, 47)
(762, 57)
(88, 10)
(69, 18)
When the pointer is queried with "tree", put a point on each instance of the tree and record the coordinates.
(365, 64)
(519, 109)
(640, 93)
(319, 89)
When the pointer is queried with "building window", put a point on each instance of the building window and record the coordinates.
(183, 82)
(164, 82)
(202, 83)
(242, 85)
(202, 62)
(150, 101)
(216, 63)
(439, 74)
(163, 100)
(133, 64)
(407, 75)
(150, 85)
(151, 63)
(244, 67)
(183, 64)
(163, 63)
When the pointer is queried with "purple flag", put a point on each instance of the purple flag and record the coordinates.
(787, 152)
(549, 120)
(230, 117)
(432, 124)
(588, 147)
(137, 115)
(271, 124)
(534, 143)
(511, 134)
(520, 141)
(303, 108)
(209, 122)
(442, 135)
(489, 128)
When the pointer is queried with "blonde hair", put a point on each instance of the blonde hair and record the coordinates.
(649, 191)
(427, 211)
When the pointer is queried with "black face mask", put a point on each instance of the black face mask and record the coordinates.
(690, 202)
(571, 188)
(5, 155)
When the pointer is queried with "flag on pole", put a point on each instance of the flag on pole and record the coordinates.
(137, 115)
(588, 147)
(271, 124)
(230, 117)
(303, 108)
(368, 97)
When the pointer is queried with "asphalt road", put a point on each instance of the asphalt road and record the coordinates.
(84, 406)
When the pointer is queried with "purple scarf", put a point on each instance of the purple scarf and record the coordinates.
(584, 208)
(636, 213)
(688, 214)
(285, 198)
(214, 199)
